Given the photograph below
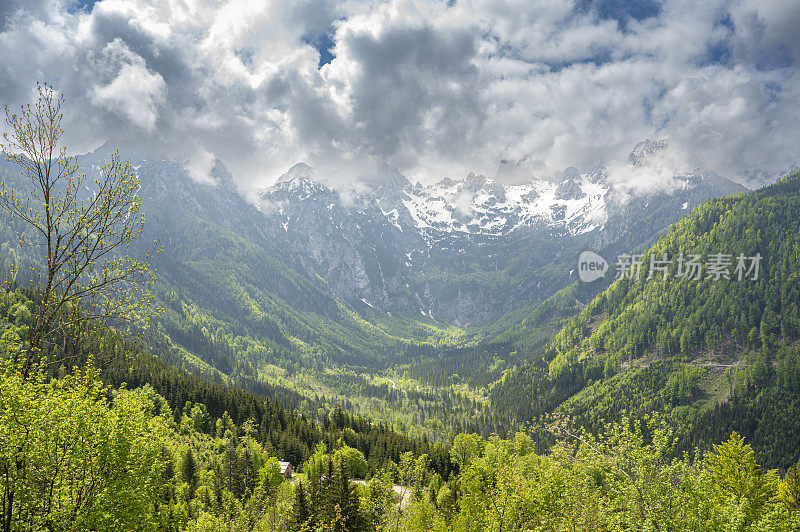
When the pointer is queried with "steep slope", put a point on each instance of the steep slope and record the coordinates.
(710, 351)
(222, 277)
(466, 252)
(223, 260)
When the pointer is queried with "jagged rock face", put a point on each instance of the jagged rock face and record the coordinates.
(570, 188)
(354, 248)
(462, 251)
(645, 149)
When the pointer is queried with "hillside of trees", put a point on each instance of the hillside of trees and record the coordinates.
(714, 354)
(79, 454)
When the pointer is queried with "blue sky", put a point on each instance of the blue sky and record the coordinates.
(85, 5)
(434, 88)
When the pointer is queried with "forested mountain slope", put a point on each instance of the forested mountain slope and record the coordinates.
(716, 351)
(162, 450)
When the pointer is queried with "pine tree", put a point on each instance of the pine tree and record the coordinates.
(345, 501)
(300, 508)
(189, 471)
(790, 488)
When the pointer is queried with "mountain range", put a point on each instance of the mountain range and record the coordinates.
(464, 252)
(345, 293)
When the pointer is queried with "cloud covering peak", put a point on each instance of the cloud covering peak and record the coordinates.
(434, 88)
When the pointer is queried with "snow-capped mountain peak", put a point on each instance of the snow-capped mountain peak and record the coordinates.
(577, 203)
(473, 205)
(384, 243)
(480, 205)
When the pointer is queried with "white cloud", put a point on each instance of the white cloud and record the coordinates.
(199, 163)
(657, 172)
(134, 92)
(434, 89)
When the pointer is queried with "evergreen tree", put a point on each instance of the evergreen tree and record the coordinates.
(345, 501)
(189, 471)
(300, 508)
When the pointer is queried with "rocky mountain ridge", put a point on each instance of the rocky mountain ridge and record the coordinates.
(464, 251)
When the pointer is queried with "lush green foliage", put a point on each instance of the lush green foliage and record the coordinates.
(72, 458)
(623, 479)
(78, 456)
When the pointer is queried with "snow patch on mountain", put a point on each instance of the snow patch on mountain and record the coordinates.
(479, 205)
(577, 203)
(475, 205)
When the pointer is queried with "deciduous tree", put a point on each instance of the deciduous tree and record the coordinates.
(80, 229)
